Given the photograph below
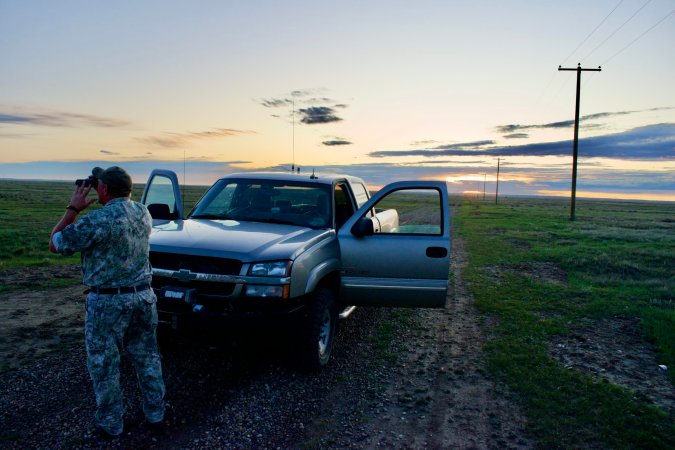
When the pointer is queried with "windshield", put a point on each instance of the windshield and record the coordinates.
(294, 203)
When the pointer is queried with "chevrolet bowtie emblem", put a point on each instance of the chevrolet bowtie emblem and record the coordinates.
(184, 275)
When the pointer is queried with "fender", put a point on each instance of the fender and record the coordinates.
(319, 272)
(314, 264)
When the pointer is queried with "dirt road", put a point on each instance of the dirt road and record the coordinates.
(438, 394)
(433, 392)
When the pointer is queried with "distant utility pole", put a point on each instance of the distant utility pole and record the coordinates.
(484, 179)
(576, 133)
(497, 188)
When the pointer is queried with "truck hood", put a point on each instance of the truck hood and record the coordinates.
(245, 241)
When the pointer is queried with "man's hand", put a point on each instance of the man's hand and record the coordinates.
(79, 198)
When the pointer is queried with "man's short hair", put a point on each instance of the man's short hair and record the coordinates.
(116, 178)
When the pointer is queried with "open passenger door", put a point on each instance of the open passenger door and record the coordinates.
(162, 196)
(401, 255)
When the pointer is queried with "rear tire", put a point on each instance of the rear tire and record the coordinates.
(318, 330)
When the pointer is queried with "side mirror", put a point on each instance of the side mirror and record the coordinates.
(364, 227)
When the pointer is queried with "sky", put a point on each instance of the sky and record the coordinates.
(384, 90)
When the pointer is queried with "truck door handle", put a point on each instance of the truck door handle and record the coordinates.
(437, 252)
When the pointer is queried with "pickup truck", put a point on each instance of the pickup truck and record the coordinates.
(296, 249)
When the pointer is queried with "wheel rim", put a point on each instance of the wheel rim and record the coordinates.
(324, 333)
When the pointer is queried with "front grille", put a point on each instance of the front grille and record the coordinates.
(205, 289)
(196, 264)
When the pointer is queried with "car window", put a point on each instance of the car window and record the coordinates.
(410, 211)
(360, 194)
(304, 204)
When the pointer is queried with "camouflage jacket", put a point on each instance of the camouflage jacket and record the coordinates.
(113, 244)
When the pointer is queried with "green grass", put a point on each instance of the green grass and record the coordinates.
(617, 260)
(30, 209)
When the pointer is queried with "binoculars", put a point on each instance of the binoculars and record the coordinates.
(91, 181)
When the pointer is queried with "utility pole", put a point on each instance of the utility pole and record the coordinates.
(497, 188)
(576, 134)
(484, 179)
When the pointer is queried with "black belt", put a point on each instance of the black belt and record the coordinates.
(120, 290)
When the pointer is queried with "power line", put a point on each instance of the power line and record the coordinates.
(590, 78)
(636, 39)
(615, 31)
(574, 51)
(591, 33)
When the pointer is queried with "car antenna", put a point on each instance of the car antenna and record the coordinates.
(293, 132)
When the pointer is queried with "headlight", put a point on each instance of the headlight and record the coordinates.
(270, 269)
(254, 290)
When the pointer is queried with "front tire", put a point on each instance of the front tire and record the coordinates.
(318, 330)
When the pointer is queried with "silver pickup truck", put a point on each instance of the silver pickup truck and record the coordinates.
(296, 248)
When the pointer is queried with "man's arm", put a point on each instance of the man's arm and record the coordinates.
(78, 203)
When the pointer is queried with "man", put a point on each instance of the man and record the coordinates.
(120, 308)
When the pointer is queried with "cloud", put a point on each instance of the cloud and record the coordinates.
(192, 170)
(300, 97)
(336, 141)
(603, 115)
(4, 135)
(307, 92)
(516, 136)
(318, 100)
(511, 128)
(108, 152)
(648, 142)
(61, 119)
(388, 153)
(318, 114)
(515, 179)
(172, 140)
(275, 102)
(475, 144)
(311, 108)
(423, 143)
(14, 118)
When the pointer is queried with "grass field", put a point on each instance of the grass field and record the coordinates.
(542, 276)
(540, 280)
(30, 209)
(28, 212)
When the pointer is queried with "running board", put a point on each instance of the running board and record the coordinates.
(347, 311)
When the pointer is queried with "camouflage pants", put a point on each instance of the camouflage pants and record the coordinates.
(114, 323)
